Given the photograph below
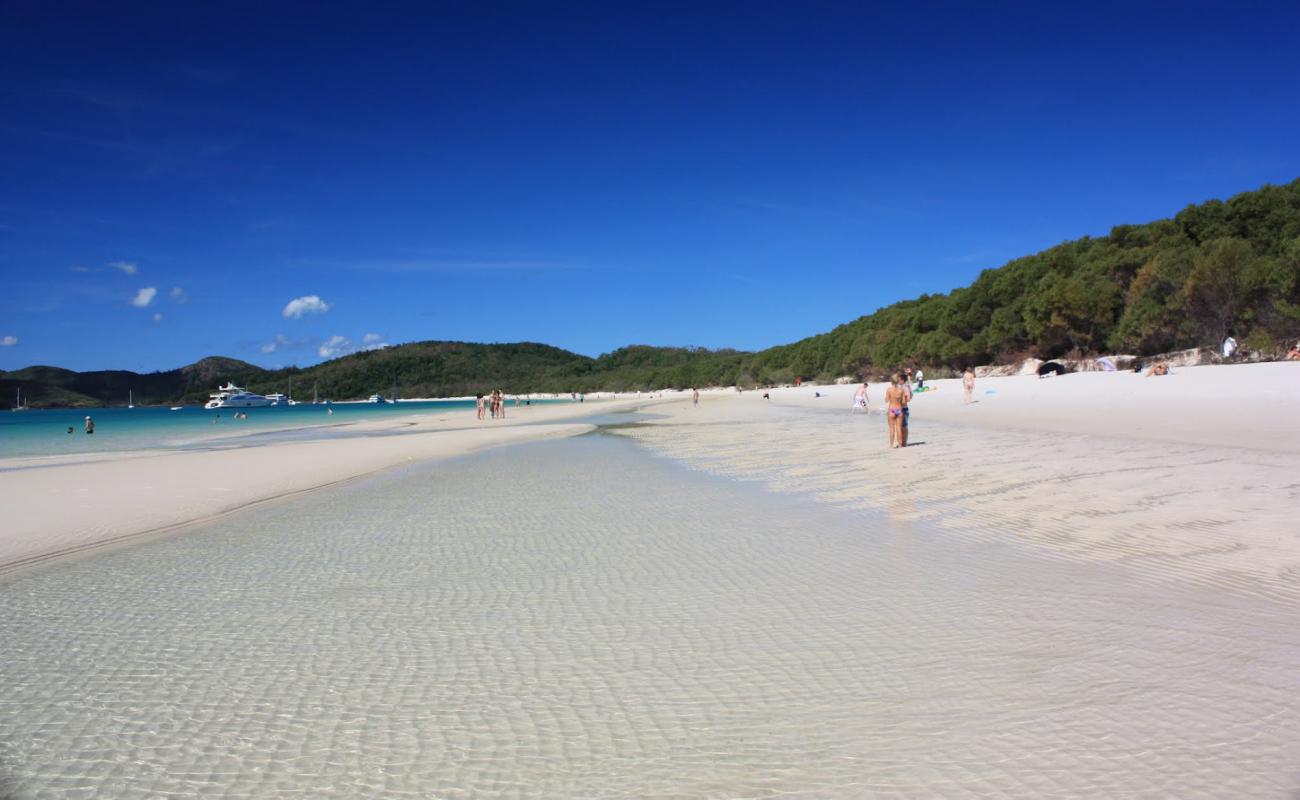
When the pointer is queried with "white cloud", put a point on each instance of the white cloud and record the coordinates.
(280, 342)
(336, 346)
(178, 295)
(126, 267)
(144, 297)
(157, 317)
(308, 304)
(9, 341)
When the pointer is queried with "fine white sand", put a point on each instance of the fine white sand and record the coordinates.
(574, 619)
(61, 505)
(1190, 476)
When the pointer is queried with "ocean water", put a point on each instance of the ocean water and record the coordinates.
(578, 618)
(44, 432)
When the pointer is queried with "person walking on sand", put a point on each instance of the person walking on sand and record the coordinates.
(968, 384)
(695, 396)
(478, 404)
(894, 410)
(501, 403)
(860, 399)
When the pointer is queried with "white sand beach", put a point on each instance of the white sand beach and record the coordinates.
(1049, 594)
(1189, 476)
(64, 505)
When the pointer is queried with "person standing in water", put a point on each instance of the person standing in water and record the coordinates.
(894, 410)
(90, 425)
(968, 384)
(906, 390)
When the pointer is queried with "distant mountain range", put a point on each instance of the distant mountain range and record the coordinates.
(1214, 269)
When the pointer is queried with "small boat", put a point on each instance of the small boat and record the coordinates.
(177, 408)
(278, 399)
(130, 399)
(231, 396)
(377, 399)
(18, 401)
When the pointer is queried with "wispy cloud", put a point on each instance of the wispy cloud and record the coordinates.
(336, 345)
(158, 317)
(307, 304)
(144, 297)
(178, 295)
(282, 343)
(124, 267)
(9, 341)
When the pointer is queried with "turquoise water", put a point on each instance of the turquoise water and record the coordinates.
(44, 432)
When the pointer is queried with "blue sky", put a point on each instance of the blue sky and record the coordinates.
(587, 175)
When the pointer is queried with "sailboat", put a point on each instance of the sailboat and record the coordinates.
(130, 399)
(18, 401)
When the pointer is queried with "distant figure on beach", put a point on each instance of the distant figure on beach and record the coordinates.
(329, 411)
(695, 396)
(69, 429)
(1229, 347)
(860, 399)
(1294, 353)
(894, 410)
(1157, 369)
(909, 377)
(907, 412)
(920, 379)
(968, 384)
(582, 398)
(478, 404)
(90, 425)
(767, 395)
(501, 404)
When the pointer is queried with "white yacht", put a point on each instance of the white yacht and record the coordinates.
(377, 398)
(231, 396)
(278, 399)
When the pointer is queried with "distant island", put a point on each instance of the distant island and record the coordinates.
(1214, 269)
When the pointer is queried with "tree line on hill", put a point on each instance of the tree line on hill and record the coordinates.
(1215, 269)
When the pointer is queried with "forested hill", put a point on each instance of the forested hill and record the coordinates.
(1214, 269)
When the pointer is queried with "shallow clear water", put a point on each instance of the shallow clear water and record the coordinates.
(577, 618)
(44, 432)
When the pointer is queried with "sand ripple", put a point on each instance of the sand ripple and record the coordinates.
(572, 619)
(1209, 515)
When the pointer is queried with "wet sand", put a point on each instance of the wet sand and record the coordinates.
(571, 618)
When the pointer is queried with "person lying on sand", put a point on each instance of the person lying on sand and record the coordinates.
(1159, 368)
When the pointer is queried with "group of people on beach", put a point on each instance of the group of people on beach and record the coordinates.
(898, 398)
(494, 403)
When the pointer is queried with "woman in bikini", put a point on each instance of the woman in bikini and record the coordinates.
(894, 411)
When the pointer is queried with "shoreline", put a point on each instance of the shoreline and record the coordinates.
(1052, 463)
(1100, 466)
(66, 505)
